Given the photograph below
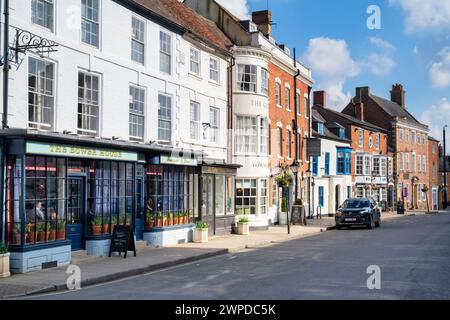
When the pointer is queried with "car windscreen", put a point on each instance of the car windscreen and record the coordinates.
(356, 204)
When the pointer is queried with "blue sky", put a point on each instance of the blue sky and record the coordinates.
(412, 48)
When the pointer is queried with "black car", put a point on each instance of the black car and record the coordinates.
(358, 212)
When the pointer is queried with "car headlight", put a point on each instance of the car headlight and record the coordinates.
(365, 211)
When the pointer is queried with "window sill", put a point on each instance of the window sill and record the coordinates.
(279, 106)
(195, 75)
(214, 83)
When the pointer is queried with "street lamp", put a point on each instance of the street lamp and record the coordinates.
(445, 169)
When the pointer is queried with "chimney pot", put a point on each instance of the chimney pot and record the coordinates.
(362, 93)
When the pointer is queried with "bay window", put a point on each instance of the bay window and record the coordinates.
(246, 78)
(246, 135)
(264, 81)
(246, 196)
(264, 136)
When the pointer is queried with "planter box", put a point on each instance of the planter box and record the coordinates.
(201, 235)
(243, 229)
(4, 265)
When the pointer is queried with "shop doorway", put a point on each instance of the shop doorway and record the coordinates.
(140, 208)
(337, 198)
(75, 212)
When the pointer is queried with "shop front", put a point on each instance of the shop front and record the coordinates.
(218, 184)
(65, 197)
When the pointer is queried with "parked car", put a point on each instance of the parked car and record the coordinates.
(359, 212)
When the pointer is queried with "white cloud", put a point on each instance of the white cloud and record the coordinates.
(440, 69)
(425, 15)
(331, 61)
(239, 8)
(382, 44)
(436, 117)
(382, 62)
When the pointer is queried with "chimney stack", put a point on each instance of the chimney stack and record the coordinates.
(362, 93)
(359, 110)
(263, 19)
(398, 95)
(320, 98)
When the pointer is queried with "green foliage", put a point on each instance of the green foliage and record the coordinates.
(202, 225)
(243, 220)
(40, 227)
(17, 228)
(97, 221)
(284, 207)
(4, 249)
(61, 224)
(298, 202)
(285, 179)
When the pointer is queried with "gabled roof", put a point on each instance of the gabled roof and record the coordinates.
(188, 19)
(395, 110)
(317, 117)
(332, 115)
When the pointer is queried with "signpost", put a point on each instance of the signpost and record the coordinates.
(122, 241)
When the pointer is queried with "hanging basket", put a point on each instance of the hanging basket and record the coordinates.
(284, 180)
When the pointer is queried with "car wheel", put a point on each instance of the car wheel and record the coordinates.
(370, 225)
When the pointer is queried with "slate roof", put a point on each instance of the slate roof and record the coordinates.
(395, 110)
(188, 19)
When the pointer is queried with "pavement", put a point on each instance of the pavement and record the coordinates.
(95, 270)
(409, 255)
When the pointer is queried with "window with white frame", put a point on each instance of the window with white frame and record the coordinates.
(41, 93)
(359, 192)
(391, 167)
(246, 135)
(247, 78)
(359, 165)
(275, 191)
(264, 197)
(413, 162)
(377, 141)
(383, 167)
(367, 165)
(278, 93)
(42, 12)
(214, 118)
(413, 137)
(165, 118)
(288, 144)
(279, 142)
(264, 81)
(297, 103)
(165, 52)
(407, 135)
(90, 22)
(307, 106)
(194, 120)
(88, 103)
(287, 98)
(419, 163)
(407, 163)
(246, 196)
(402, 161)
(361, 138)
(195, 61)
(376, 166)
(214, 69)
(137, 108)
(264, 129)
(424, 163)
(401, 134)
(137, 40)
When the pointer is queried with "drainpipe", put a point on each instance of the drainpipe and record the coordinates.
(5, 118)
(230, 111)
(311, 204)
(296, 123)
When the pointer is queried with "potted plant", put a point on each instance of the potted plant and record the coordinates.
(165, 220)
(186, 217)
(176, 219)
(149, 221)
(40, 229)
(243, 226)
(61, 232)
(4, 261)
(170, 219)
(51, 231)
(97, 226)
(31, 233)
(17, 232)
(201, 232)
(285, 179)
(105, 226)
(159, 220)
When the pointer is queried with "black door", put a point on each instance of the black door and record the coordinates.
(75, 212)
(208, 207)
(139, 208)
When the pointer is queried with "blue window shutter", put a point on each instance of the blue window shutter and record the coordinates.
(327, 163)
(348, 162)
(315, 165)
(321, 199)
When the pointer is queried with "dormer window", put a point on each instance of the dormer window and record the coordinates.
(342, 133)
(320, 128)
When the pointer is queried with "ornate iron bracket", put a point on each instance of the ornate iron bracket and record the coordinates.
(25, 41)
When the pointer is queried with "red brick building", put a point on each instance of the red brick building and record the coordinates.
(433, 169)
(408, 139)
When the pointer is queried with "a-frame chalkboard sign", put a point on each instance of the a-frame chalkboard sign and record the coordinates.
(122, 241)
